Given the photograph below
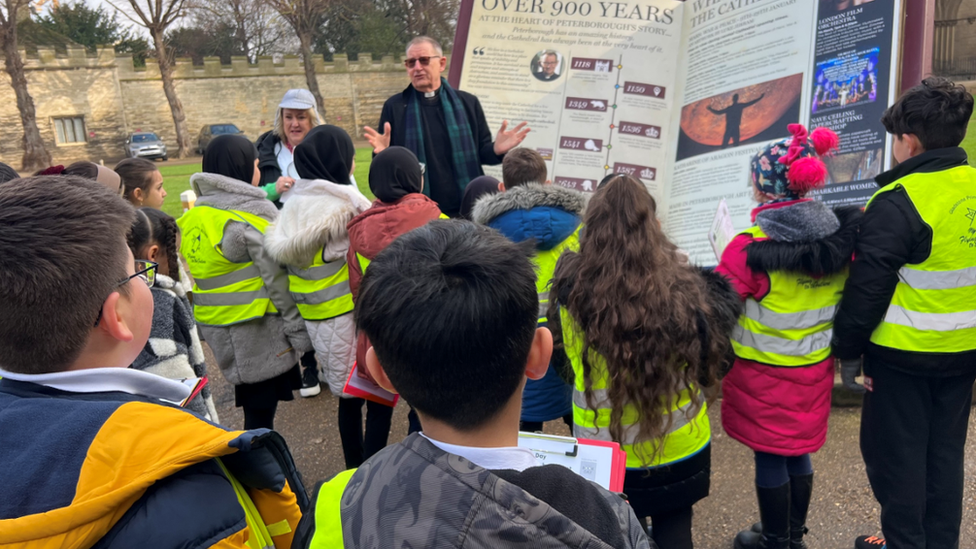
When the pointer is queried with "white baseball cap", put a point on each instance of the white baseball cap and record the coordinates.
(297, 99)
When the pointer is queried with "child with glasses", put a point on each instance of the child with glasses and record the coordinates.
(95, 453)
(173, 350)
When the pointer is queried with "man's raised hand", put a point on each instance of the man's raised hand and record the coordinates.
(507, 140)
(381, 141)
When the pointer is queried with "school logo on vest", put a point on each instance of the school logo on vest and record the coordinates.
(809, 283)
(967, 208)
(194, 237)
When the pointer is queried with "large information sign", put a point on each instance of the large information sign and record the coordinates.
(681, 94)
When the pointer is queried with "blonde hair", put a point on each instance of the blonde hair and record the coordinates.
(279, 124)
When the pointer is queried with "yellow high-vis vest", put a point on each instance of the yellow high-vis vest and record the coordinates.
(933, 309)
(689, 432)
(545, 265)
(322, 290)
(224, 292)
(792, 324)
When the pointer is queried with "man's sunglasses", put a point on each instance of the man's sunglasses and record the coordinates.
(145, 270)
(424, 61)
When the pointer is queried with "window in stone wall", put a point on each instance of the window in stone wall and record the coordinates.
(70, 130)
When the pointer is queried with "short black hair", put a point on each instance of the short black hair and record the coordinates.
(937, 111)
(62, 252)
(451, 311)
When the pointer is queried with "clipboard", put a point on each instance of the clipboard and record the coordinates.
(196, 385)
(360, 386)
(721, 231)
(599, 461)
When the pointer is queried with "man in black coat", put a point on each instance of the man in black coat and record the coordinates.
(425, 62)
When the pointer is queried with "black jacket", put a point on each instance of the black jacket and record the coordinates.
(395, 111)
(892, 235)
(267, 157)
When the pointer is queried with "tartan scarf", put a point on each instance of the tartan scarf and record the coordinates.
(464, 152)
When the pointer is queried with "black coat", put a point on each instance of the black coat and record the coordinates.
(267, 157)
(395, 111)
(892, 235)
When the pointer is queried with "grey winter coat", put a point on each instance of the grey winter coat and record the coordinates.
(266, 347)
(174, 350)
(413, 494)
(313, 220)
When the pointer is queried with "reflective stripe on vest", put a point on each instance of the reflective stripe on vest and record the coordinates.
(933, 308)
(322, 291)
(261, 534)
(545, 264)
(224, 292)
(689, 432)
(328, 512)
(793, 323)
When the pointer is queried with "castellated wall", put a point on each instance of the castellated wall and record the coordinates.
(116, 98)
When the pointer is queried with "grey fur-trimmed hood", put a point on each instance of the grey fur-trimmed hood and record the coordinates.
(526, 197)
(825, 255)
(225, 193)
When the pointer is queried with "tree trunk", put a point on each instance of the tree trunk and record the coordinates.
(169, 88)
(35, 154)
(313, 83)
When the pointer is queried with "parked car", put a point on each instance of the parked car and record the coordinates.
(210, 131)
(146, 145)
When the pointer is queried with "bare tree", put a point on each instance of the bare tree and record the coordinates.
(35, 154)
(258, 30)
(435, 18)
(305, 17)
(156, 16)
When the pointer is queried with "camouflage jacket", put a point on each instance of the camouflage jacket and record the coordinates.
(413, 494)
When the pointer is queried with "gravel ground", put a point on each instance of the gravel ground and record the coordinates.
(842, 508)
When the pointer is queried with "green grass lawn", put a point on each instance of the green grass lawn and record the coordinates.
(970, 142)
(176, 179)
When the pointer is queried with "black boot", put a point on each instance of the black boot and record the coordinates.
(774, 512)
(801, 488)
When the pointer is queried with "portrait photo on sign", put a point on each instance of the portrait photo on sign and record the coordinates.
(547, 65)
(752, 114)
(846, 81)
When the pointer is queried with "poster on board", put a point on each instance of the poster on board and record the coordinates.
(681, 94)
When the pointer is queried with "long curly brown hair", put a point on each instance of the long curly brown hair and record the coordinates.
(639, 307)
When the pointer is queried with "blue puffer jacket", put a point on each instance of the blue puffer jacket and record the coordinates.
(550, 215)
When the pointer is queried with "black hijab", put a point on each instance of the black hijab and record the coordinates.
(395, 173)
(231, 156)
(325, 153)
(479, 186)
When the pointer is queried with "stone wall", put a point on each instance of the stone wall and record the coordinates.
(116, 98)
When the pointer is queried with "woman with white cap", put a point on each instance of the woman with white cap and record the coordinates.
(296, 115)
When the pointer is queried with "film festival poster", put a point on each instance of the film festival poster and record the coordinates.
(680, 94)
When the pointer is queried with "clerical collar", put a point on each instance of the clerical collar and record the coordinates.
(430, 95)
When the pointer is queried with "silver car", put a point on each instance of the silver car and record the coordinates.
(146, 145)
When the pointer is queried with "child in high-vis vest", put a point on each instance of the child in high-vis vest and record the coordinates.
(396, 178)
(909, 313)
(529, 208)
(646, 335)
(790, 269)
(311, 240)
(451, 310)
(173, 350)
(241, 300)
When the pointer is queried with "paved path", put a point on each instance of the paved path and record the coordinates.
(843, 506)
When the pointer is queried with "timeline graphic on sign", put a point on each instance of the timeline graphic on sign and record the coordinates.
(681, 94)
